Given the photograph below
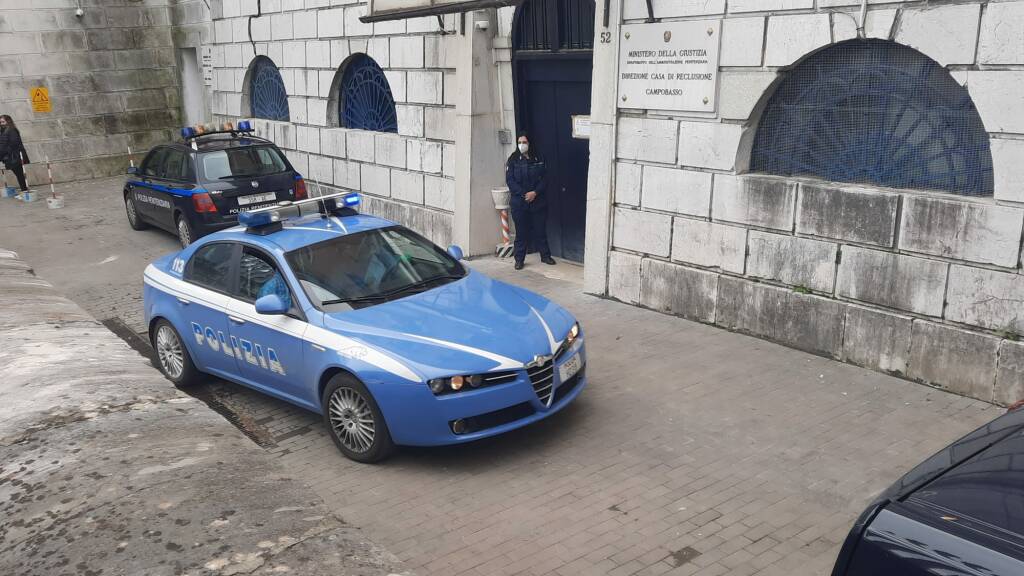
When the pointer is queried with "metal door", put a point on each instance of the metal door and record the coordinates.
(554, 92)
(553, 67)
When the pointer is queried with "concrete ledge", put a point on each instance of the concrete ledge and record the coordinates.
(953, 359)
(970, 231)
(1009, 373)
(679, 290)
(108, 468)
(851, 215)
(799, 320)
(877, 340)
(892, 280)
(754, 201)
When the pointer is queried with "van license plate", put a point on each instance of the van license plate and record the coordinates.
(256, 198)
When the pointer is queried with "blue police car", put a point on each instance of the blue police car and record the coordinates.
(385, 334)
(199, 185)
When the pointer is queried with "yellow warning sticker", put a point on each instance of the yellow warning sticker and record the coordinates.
(40, 96)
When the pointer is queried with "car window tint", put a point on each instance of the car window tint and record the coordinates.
(371, 263)
(176, 165)
(210, 266)
(242, 162)
(258, 276)
(154, 163)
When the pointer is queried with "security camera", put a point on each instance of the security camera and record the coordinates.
(79, 13)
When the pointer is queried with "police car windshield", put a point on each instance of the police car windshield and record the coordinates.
(371, 267)
(244, 162)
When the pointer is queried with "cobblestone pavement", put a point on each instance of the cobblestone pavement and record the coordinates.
(693, 451)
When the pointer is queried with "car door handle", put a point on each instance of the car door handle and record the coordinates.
(318, 347)
(184, 301)
(236, 319)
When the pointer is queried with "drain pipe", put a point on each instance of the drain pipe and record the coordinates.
(863, 18)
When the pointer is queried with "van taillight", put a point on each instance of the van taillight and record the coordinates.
(202, 202)
(300, 189)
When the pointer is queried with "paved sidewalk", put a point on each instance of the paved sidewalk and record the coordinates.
(693, 451)
(106, 468)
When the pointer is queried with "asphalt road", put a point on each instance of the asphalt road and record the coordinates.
(693, 451)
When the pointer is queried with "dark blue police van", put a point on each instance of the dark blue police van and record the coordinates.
(198, 186)
(959, 513)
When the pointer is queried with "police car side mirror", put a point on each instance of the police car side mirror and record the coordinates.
(271, 305)
(133, 170)
(455, 252)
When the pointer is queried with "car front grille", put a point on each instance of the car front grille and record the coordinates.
(543, 379)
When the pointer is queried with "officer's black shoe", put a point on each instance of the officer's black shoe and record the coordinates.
(519, 265)
(547, 260)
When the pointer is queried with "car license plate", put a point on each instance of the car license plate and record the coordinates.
(256, 198)
(569, 368)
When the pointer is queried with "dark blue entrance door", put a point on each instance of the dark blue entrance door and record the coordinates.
(552, 52)
(552, 92)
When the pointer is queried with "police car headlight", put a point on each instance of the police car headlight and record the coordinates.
(441, 386)
(574, 332)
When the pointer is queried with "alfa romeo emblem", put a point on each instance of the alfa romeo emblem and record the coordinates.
(255, 184)
(668, 35)
(538, 360)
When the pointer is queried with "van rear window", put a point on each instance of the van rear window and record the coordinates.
(247, 162)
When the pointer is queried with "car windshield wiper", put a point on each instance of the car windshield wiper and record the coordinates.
(390, 293)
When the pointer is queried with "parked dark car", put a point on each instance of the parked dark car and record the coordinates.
(959, 513)
(197, 186)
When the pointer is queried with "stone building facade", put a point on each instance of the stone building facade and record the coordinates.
(111, 73)
(915, 282)
(683, 214)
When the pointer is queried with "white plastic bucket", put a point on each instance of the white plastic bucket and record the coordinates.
(55, 202)
(10, 192)
(30, 196)
(501, 197)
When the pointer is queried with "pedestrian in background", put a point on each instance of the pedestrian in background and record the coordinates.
(12, 150)
(526, 175)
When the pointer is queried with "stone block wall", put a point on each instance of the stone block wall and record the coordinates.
(925, 285)
(111, 74)
(408, 176)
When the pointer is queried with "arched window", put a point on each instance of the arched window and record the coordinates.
(267, 97)
(364, 96)
(875, 112)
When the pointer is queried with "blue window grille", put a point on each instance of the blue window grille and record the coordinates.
(875, 112)
(366, 102)
(267, 96)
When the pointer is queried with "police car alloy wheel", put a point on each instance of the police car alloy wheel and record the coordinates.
(133, 216)
(354, 420)
(184, 232)
(172, 356)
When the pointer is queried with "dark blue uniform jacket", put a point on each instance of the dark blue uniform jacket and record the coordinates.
(523, 174)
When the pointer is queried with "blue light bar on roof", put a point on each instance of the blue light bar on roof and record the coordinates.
(257, 219)
(188, 132)
(244, 126)
(352, 199)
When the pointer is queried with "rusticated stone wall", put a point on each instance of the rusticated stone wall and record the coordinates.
(920, 284)
(111, 74)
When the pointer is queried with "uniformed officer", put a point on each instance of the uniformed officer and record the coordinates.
(525, 175)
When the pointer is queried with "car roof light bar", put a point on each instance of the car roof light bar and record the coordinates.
(338, 204)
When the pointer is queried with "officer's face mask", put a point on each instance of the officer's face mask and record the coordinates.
(524, 147)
